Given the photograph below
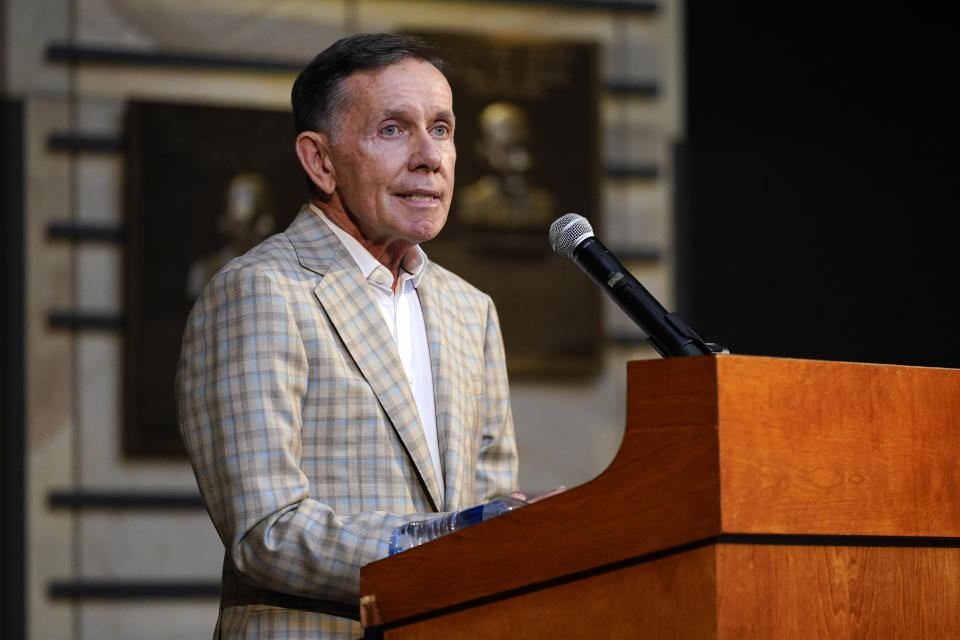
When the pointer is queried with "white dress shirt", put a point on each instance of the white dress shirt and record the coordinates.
(404, 317)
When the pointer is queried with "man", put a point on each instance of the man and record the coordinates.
(333, 382)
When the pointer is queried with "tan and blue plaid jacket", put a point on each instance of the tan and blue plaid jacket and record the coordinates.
(304, 435)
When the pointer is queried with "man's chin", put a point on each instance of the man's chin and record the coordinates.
(426, 230)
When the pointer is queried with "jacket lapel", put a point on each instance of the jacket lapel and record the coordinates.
(346, 298)
(452, 389)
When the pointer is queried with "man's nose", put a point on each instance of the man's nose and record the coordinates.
(425, 154)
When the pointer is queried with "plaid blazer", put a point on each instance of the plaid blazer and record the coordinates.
(303, 433)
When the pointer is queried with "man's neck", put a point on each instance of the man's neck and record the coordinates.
(390, 253)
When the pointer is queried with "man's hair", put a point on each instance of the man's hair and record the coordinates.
(319, 94)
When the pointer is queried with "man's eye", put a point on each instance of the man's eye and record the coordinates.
(441, 130)
(390, 130)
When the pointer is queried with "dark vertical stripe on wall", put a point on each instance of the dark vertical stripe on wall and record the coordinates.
(12, 608)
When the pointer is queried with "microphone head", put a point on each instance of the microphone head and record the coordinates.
(567, 232)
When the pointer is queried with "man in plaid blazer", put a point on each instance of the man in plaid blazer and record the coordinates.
(302, 418)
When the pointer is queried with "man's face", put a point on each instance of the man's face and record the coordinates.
(395, 156)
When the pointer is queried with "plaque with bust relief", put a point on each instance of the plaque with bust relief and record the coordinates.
(527, 152)
(204, 184)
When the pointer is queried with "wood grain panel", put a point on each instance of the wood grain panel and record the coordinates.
(674, 392)
(837, 593)
(815, 447)
(672, 598)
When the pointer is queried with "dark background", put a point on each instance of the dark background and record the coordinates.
(816, 187)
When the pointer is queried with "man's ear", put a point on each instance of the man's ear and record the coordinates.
(313, 151)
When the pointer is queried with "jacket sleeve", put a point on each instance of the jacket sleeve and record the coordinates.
(497, 462)
(241, 384)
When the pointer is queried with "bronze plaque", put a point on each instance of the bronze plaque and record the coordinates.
(203, 184)
(527, 152)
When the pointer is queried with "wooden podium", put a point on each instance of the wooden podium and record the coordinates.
(751, 498)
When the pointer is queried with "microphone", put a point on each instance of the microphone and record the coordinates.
(572, 237)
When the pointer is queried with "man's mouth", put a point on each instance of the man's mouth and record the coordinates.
(419, 195)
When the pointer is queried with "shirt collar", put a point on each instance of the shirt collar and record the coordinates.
(414, 263)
